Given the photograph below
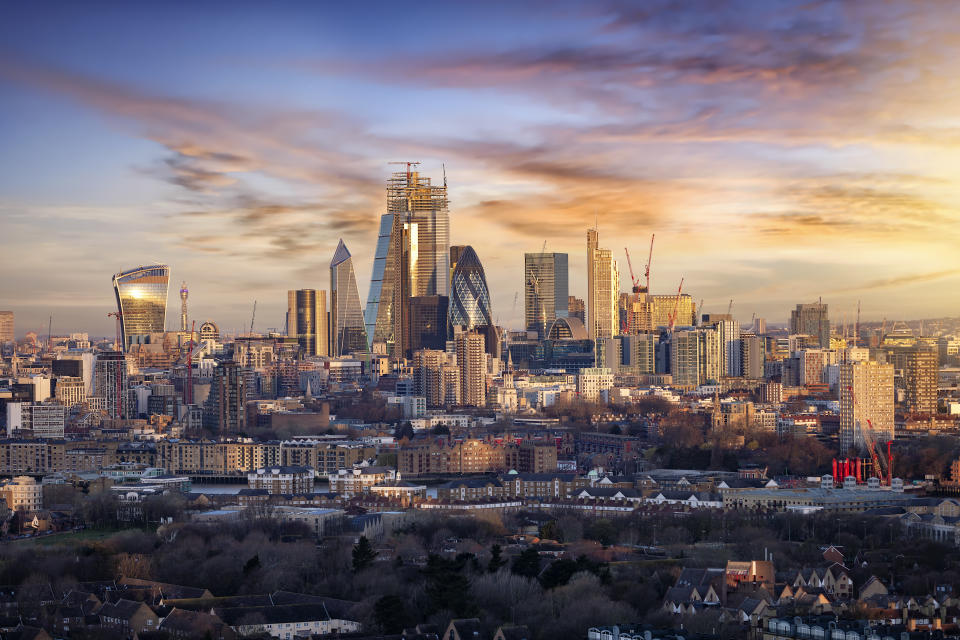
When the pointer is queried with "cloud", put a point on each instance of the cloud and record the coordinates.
(900, 281)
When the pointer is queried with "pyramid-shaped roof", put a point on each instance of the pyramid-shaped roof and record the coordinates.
(341, 255)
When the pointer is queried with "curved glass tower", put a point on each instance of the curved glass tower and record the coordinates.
(469, 296)
(142, 301)
(346, 315)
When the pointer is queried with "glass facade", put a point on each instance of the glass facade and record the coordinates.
(347, 331)
(142, 301)
(412, 259)
(545, 289)
(470, 301)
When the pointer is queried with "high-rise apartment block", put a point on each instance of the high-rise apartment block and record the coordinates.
(866, 404)
(412, 259)
(812, 320)
(920, 379)
(347, 331)
(545, 290)
(6, 327)
(307, 320)
(225, 411)
(472, 361)
(112, 383)
(603, 290)
(753, 355)
(142, 302)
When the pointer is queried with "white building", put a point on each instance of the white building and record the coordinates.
(595, 383)
(23, 493)
(44, 420)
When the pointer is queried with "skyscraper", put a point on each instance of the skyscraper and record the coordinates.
(6, 326)
(603, 290)
(307, 320)
(347, 331)
(920, 379)
(472, 361)
(866, 404)
(142, 301)
(428, 322)
(469, 296)
(811, 320)
(428, 370)
(731, 346)
(577, 309)
(412, 258)
(111, 382)
(545, 290)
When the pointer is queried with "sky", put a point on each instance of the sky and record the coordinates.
(780, 151)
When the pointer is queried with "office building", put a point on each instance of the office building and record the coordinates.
(866, 405)
(920, 379)
(41, 420)
(412, 259)
(759, 326)
(661, 306)
(210, 332)
(347, 331)
(75, 364)
(638, 354)
(427, 325)
(112, 383)
(594, 383)
(812, 320)
(603, 290)
(142, 302)
(6, 327)
(469, 296)
(307, 320)
(472, 361)
(70, 391)
(225, 410)
(545, 290)
(576, 308)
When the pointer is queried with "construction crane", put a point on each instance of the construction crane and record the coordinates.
(633, 278)
(730, 307)
(253, 317)
(856, 327)
(544, 249)
(870, 441)
(676, 306)
(410, 164)
(646, 270)
(118, 315)
(753, 320)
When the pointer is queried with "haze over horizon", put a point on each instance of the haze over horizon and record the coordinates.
(781, 151)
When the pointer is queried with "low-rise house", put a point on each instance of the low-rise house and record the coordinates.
(183, 624)
(287, 620)
(128, 617)
(465, 629)
(690, 499)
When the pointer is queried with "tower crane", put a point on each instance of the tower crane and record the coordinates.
(253, 317)
(118, 315)
(676, 306)
(856, 328)
(870, 441)
(730, 307)
(646, 270)
(633, 279)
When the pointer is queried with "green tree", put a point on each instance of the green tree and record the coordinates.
(363, 554)
(496, 559)
(527, 564)
(550, 531)
(390, 614)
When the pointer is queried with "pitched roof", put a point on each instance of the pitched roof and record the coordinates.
(195, 623)
(122, 609)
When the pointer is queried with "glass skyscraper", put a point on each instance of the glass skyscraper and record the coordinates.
(412, 259)
(470, 298)
(307, 320)
(545, 290)
(142, 301)
(347, 332)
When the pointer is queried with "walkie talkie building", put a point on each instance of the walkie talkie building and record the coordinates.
(142, 301)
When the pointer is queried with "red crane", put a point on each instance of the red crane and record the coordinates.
(870, 441)
(633, 279)
(676, 306)
(119, 316)
(646, 271)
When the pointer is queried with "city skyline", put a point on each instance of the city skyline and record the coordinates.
(780, 152)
